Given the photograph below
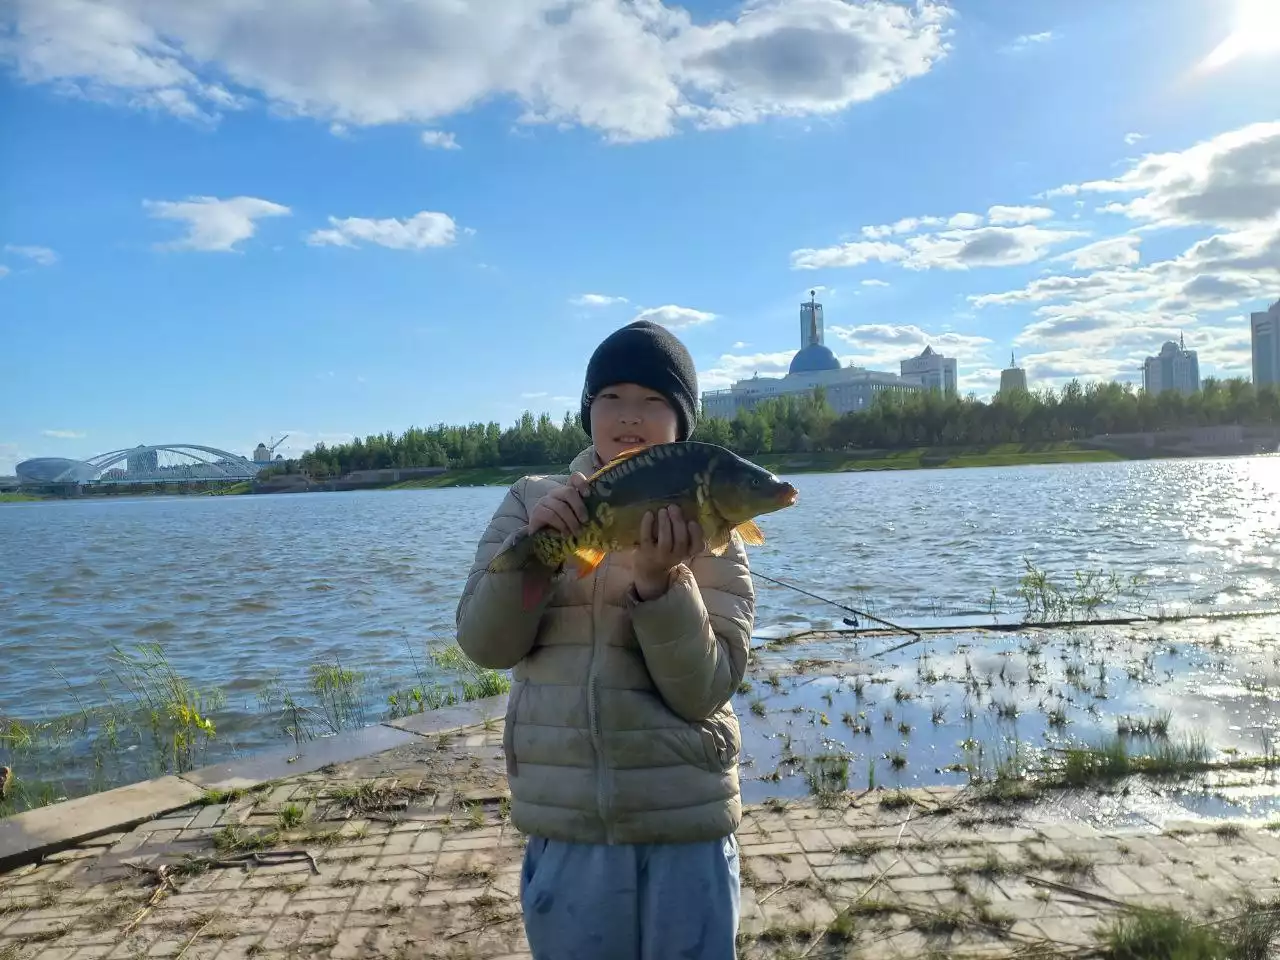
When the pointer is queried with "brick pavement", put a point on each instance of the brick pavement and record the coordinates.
(414, 857)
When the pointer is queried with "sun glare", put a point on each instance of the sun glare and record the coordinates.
(1255, 30)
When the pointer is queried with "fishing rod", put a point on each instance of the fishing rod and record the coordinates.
(854, 610)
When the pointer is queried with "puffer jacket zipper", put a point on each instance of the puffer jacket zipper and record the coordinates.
(593, 704)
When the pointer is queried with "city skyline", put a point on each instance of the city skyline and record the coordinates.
(219, 243)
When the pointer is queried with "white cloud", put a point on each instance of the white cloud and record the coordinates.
(851, 254)
(1029, 40)
(984, 247)
(1131, 138)
(1002, 215)
(422, 230)
(596, 300)
(63, 434)
(632, 69)
(11, 454)
(740, 345)
(730, 368)
(440, 140)
(947, 249)
(675, 318)
(964, 221)
(1112, 252)
(1230, 180)
(4, 271)
(883, 345)
(905, 225)
(40, 255)
(1104, 323)
(214, 224)
(875, 283)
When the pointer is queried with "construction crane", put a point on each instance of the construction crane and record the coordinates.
(271, 447)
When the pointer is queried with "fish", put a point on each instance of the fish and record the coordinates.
(722, 491)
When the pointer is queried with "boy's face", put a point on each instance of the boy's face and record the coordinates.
(625, 416)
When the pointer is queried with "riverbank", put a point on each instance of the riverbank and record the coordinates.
(19, 498)
(411, 842)
(909, 458)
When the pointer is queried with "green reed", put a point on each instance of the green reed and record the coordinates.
(468, 681)
(151, 720)
(1082, 597)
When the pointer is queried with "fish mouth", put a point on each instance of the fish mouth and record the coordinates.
(787, 495)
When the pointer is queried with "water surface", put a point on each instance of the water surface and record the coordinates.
(238, 589)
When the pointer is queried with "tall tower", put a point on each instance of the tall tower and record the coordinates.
(811, 321)
(1013, 379)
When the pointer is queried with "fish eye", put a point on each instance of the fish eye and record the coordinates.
(755, 481)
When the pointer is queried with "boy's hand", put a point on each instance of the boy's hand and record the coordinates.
(666, 541)
(562, 508)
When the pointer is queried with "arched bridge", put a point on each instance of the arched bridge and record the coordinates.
(147, 463)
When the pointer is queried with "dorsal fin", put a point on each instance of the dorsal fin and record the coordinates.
(620, 458)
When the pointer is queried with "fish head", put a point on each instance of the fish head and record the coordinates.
(741, 489)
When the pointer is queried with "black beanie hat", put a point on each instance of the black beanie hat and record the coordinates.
(649, 355)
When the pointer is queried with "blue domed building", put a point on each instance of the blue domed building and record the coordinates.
(814, 365)
(814, 358)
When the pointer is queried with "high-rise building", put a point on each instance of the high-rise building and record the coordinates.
(848, 389)
(1013, 379)
(931, 370)
(143, 461)
(1173, 368)
(1266, 345)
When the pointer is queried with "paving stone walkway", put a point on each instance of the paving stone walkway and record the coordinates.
(409, 853)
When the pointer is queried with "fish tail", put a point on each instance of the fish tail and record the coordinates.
(536, 577)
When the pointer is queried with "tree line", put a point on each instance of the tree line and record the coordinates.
(796, 424)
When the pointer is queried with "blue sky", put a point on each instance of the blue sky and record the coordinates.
(221, 222)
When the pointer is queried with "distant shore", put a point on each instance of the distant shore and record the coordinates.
(847, 461)
(909, 458)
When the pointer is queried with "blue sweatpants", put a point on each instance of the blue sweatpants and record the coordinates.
(660, 901)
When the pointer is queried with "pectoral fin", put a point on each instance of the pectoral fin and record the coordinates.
(587, 559)
(719, 543)
(750, 533)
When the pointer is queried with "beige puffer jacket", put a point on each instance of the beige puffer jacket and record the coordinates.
(619, 727)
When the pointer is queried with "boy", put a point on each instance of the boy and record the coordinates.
(621, 744)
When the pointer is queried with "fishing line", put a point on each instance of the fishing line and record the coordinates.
(854, 610)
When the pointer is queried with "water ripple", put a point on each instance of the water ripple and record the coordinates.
(241, 588)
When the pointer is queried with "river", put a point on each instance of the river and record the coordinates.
(237, 589)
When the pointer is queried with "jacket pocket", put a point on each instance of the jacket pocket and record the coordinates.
(509, 728)
(721, 740)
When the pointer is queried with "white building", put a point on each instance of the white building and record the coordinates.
(848, 389)
(932, 371)
(1174, 368)
(1266, 346)
(1013, 379)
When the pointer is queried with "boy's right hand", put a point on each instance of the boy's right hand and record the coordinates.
(562, 509)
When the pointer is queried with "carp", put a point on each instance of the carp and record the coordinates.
(719, 489)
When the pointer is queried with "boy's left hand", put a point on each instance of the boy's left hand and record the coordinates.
(666, 541)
